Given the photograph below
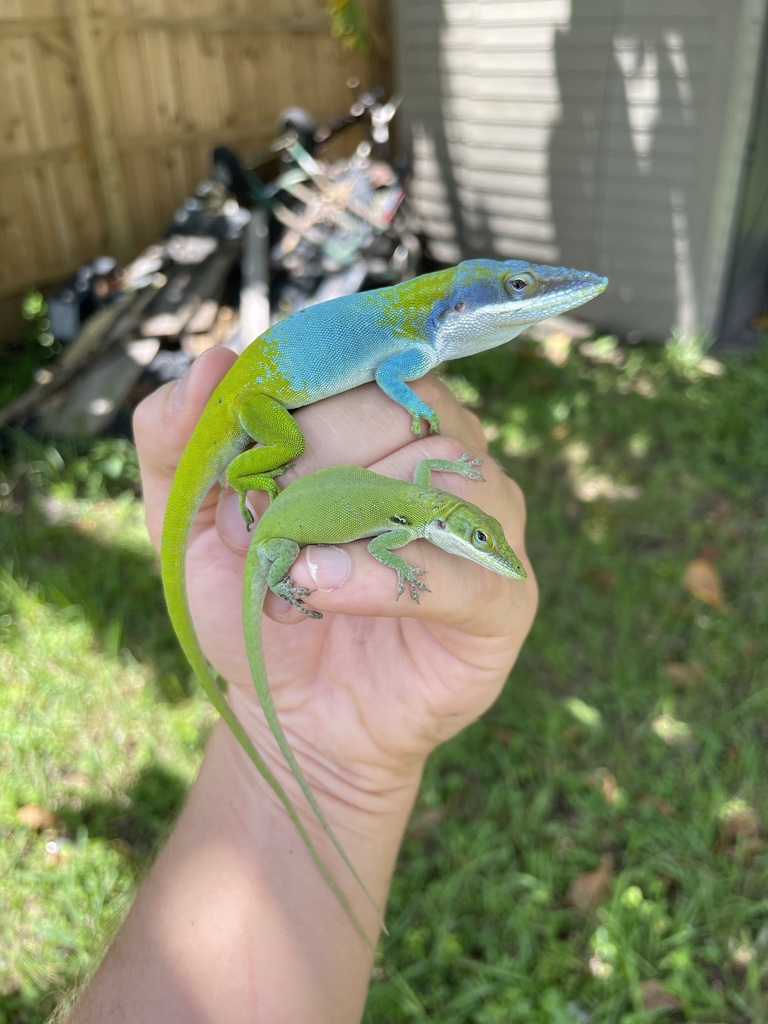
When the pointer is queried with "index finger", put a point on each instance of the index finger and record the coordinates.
(163, 424)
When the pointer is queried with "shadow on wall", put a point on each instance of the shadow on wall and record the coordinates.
(745, 312)
(469, 232)
(612, 192)
(620, 168)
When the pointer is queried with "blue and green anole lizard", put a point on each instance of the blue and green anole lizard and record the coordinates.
(391, 335)
(335, 506)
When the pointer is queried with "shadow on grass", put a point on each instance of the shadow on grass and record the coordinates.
(134, 825)
(606, 395)
(138, 822)
(16, 1008)
(118, 589)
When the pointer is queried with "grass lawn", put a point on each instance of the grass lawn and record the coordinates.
(592, 852)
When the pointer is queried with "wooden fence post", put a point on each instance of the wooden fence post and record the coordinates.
(120, 238)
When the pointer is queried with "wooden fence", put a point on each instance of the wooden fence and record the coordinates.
(109, 110)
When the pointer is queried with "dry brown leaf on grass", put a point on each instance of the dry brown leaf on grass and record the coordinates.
(590, 889)
(604, 580)
(740, 822)
(35, 817)
(658, 803)
(683, 674)
(653, 996)
(605, 781)
(702, 581)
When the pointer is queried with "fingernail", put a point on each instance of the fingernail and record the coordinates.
(328, 566)
(230, 523)
(180, 391)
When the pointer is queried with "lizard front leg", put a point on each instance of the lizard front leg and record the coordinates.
(465, 466)
(381, 549)
(391, 376)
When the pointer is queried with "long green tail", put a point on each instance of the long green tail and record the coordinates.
(197, 661)
(219, 701)
(200, 467)
(254, 591)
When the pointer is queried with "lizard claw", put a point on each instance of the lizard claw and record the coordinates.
(468, 464)
(309, 612)
(295, 595)
(416, 586)
(433, 421)
(411, 577)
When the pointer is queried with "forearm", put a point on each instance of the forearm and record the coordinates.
(235, 924)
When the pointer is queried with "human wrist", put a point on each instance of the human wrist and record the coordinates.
(251, 822)
(360, 797)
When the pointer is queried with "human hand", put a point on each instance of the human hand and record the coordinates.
(365, 694)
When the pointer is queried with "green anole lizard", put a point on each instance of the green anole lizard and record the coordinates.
(342, 504)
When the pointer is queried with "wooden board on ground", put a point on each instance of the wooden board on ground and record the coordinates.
(94, 400)
(188, 289)
(99, 331)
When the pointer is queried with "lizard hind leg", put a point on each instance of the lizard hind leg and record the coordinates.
(281, 555)
(267, 421)
(294, 595)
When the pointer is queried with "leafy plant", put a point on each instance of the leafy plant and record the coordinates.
(348, 25)
(19, 363)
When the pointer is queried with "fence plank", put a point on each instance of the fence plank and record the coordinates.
(119, 232)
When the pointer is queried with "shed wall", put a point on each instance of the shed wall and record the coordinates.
(605, 134)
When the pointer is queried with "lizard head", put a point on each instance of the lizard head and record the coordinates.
(467, 531)
(488, 302)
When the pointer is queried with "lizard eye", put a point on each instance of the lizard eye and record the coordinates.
(460, 307)
(480, 539)
(518, 283)
(441, 524)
